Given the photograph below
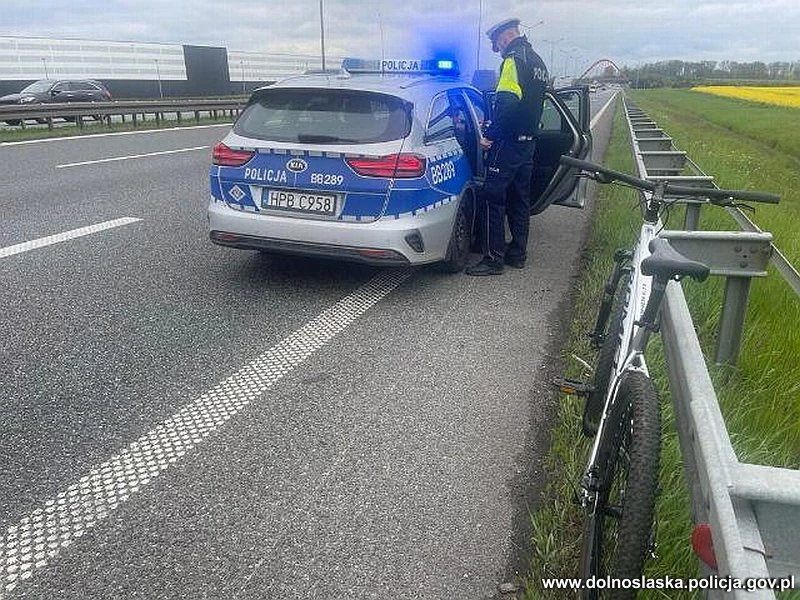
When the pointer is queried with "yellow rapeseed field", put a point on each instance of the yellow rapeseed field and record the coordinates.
(782, 96)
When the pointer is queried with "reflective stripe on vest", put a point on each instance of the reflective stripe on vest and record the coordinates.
(509, 81)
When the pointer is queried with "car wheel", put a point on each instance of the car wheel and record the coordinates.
(460, 240)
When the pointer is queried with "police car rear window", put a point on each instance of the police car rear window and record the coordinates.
(324, 116)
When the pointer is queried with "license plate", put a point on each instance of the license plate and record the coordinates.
(300, 201)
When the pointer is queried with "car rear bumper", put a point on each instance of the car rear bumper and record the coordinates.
(414, 239)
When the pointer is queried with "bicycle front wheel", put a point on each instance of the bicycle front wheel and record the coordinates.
(618, 530)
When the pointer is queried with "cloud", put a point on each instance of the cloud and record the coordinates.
(625, 31)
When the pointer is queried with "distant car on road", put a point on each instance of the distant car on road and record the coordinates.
(46, 91)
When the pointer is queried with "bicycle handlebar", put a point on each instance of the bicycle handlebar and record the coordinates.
(606, 175)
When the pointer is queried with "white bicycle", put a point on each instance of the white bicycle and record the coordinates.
(619, 484)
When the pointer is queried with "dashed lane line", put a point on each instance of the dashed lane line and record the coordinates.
(130, 157)
(602, 111)
(39, 537)
(64, 236)
(94, 136)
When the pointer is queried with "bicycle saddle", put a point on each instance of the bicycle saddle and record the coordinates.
(664, 261)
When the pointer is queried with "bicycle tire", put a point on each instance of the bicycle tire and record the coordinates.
(618, 530)
(593, 407)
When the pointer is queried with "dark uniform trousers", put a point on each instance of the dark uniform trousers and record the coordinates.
(507, 192)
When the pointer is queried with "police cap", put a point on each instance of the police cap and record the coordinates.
(497, 29)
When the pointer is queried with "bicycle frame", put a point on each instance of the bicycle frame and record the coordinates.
(643, 304)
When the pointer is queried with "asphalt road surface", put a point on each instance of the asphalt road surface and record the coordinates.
(181, 420)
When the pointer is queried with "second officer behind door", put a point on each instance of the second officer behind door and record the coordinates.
(510, 140)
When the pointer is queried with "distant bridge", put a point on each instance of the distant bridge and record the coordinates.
(602, 70)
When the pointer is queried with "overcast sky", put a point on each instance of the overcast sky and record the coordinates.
(569, 34)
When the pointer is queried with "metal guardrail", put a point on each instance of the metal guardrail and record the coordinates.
(753, 510)
(77, 111)
(667, 162)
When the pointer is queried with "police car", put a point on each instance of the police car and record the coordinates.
(380, 163)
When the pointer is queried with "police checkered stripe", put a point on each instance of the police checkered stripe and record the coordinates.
(457, 151)
(40, 536)
(437, 204)
(248, 208)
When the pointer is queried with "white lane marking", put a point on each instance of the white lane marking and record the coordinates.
(131, 157)
(92, 136)
(600, 112)
(41, 535)
(64, 236)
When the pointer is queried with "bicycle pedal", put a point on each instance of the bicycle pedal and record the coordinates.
(596, 340)
(573, 387)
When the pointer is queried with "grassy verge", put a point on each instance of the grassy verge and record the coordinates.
(770, 125)
(93, 128)
(760, 399)
(765, 428)
(743, 145)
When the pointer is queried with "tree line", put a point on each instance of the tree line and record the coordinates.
(678, 73)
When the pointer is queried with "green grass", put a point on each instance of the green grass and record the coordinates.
(760, 399)
(765, 428)
(773, 126)
(92, 128)
(743, 145)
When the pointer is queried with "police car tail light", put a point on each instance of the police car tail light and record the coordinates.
(228, 157)
(395, 166)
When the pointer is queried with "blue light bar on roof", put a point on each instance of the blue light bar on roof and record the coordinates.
(401, 65)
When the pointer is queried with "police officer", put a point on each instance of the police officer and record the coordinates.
(510, 141)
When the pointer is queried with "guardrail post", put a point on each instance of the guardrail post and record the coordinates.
(692, 220)
(731, 322)
(738, 256)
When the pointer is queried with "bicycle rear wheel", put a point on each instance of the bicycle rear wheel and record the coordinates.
(618, 531)
(605, 363)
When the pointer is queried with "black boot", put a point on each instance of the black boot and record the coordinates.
(485, 267)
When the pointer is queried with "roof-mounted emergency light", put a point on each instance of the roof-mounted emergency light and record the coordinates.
(401, 65)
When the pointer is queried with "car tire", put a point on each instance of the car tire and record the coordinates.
(460, 239)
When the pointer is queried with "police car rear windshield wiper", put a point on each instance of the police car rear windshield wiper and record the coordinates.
(323, 139)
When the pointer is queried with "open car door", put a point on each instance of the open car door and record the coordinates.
(563, 129)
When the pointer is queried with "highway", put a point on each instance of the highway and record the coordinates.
(181, 420)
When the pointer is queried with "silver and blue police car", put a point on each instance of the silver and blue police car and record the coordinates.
(380, 163)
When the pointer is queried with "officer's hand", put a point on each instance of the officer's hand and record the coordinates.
(486, 143)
